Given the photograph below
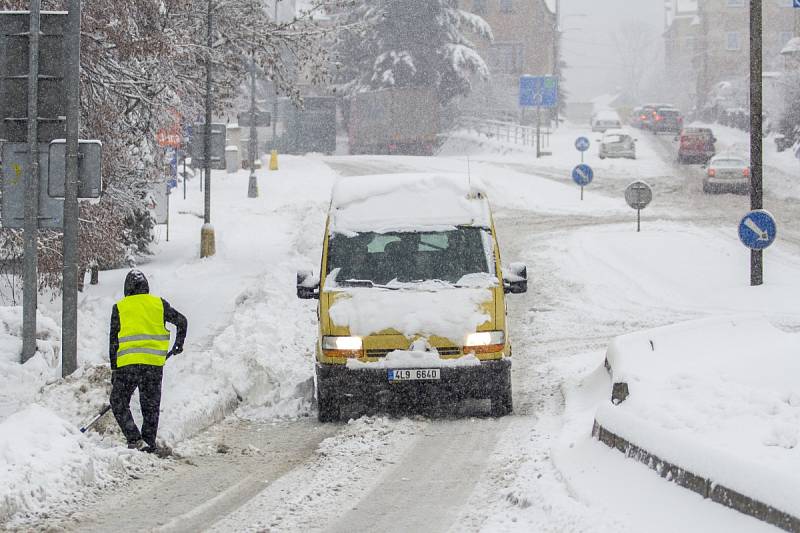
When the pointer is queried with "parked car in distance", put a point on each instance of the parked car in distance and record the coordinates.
(605, 120)
(696, 144)
(617, 143)
(667, 120)
(727, 173)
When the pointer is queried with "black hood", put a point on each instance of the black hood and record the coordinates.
(136, 283)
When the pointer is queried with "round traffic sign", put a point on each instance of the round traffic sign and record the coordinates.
(582, 175)
(638, 195)
(582, 144)
(758, 229)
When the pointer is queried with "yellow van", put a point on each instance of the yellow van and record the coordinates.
(411, 295)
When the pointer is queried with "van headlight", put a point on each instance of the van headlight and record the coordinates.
(485, 342)
(341, 346)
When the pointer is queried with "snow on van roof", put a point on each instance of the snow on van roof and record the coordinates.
(407, 202)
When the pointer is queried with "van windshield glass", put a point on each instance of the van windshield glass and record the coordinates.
(378, 258)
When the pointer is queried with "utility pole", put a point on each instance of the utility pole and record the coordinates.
(252, 184)
(556, 43)
(756, 141)
(207, 245)
(69, 294)
(30, 289)
(275, 100)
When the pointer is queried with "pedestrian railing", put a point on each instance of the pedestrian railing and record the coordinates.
(509, 132)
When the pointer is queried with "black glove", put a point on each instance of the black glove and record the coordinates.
(178, 348)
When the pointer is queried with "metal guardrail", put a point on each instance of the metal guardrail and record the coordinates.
(510, 132)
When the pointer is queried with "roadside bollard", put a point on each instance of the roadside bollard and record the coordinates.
(273, 160)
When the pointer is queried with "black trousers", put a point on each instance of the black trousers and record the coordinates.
(147, 379)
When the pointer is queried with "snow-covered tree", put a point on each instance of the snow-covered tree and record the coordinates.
(143, 68)
(412, 43)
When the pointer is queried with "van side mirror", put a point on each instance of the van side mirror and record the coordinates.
(307, 285)
(515, 278)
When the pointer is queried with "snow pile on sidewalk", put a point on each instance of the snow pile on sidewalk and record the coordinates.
(248, 342)
(46, 462)
(719, 397)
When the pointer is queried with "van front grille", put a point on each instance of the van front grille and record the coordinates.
(381, 352)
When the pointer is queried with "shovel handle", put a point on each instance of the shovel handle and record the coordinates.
(106, 409)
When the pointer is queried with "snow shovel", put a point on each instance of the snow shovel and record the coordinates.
(106, 409)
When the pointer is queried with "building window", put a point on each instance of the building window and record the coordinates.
(479, 7)
(506, 6)
(735, 3)
(505, 58)
(733, 41)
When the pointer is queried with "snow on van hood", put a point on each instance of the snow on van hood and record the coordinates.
(448, 313)
(407, 202)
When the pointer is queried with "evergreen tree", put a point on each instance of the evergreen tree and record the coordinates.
(412, 43)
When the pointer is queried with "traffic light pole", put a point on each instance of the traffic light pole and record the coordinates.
(69, 312)
(756, 141)
(30, 290)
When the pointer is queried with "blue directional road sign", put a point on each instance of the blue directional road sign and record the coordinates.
(583, 175)
(582, 143)
(757, 230)
(538, 91)
(796, 4)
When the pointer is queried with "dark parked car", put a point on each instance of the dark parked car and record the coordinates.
(696, 145)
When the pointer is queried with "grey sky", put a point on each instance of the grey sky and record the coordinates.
(587, 42)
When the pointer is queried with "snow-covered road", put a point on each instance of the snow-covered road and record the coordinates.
(591, 278)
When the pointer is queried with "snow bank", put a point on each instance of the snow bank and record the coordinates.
(46, 461)
(719, 397)
(402, 202)
(447, 313)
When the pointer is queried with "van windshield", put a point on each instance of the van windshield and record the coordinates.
(378, 258)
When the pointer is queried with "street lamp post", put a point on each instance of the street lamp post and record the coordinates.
(252, 185)
(207, 244)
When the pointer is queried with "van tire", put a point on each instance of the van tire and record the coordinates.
(502, 401)
(327, 406)
(327, 410)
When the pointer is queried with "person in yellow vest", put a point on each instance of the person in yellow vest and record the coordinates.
(138, 349)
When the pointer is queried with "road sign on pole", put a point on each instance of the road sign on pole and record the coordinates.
(582, 144)
(90, 179)
(217, 142)
(638, 195)
(758, 229)
(796, 4)
(538, 91)
(583, 176)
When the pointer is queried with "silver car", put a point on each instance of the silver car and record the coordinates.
(616, 143)
(727, 173)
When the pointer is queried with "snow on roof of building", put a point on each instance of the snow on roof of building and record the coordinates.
(792, 47)
(407, 202)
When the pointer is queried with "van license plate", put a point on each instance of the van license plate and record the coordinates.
(414, 374)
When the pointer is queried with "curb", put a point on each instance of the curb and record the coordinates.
(703, 486)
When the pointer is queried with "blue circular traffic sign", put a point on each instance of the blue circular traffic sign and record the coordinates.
(582, 144)
(582, 175)
(758, 229)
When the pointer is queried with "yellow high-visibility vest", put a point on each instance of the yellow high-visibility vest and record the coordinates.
(143, 339)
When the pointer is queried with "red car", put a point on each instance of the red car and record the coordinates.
(696, 145)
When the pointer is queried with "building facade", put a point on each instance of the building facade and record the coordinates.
(708, 46)
(525, 42)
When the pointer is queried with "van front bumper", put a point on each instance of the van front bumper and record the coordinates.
(372, 386)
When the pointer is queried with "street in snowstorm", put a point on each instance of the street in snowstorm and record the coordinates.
(441, 266)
